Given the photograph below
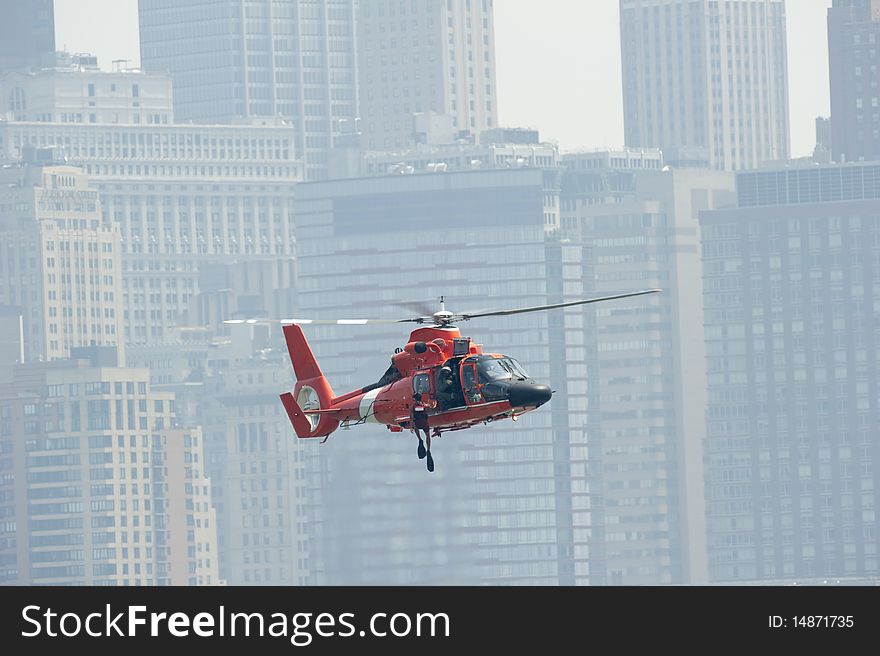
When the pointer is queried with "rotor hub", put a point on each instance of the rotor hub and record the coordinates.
(443, 318)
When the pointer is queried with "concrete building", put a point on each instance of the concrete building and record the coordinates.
(74, 90)
(264, 471)
(706, 75)
(184, 196)
(509, 503)
(853, 41)
(27, 32)
(179, 152)
(180, 233)
(229, 387)
(234, 60)
(97, 486)
(426, 58)
(637, 225)
(190, 521)
(60, 262)
(791, 301)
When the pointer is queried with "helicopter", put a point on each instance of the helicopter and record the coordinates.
(438, 382)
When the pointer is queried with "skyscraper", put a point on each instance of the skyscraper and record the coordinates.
(853, 42)
(234, 60)
(60, 261)
(434, 57)
(27, 32)
(792, 336)
(97, 486)
(709, 77)
(637, 223)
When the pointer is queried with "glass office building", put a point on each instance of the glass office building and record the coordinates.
(791, 307)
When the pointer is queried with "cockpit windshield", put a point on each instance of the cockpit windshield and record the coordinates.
(494, 369)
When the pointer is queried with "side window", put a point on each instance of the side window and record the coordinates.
(469, 383)
(468, 377)
(422, 384)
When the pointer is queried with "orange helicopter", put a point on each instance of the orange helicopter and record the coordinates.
(439, 382)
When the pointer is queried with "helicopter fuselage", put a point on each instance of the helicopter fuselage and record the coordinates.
(450, 376)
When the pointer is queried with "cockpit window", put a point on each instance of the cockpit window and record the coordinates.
(515, 367)
(492, 369)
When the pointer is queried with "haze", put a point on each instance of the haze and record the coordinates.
(571, 91)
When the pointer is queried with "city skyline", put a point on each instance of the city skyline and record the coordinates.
(529, 74)
(161, 225)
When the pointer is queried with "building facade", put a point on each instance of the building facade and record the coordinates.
(75, 90)
(638, 228)
(185, 497)
(791, 298)
(182, 231)
(234, 59)
(853, 39)
(434, 57)
(97, 486)
(61, 261)
(184, 197)
(710, 76)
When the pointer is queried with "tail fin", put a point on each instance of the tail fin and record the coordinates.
(312, 392)
(304, 363)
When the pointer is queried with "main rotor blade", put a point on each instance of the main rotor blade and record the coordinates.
(325, 322)
(539, 308)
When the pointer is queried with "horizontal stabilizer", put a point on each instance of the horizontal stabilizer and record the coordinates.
(298, 418)
(329, 412)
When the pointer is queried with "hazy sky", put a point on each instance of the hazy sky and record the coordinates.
(558, 63)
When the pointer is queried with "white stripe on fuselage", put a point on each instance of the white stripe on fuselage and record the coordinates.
(367, 409)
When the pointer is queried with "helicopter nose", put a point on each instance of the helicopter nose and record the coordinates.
(528, 394)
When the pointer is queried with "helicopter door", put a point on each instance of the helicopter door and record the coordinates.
(470, 385)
